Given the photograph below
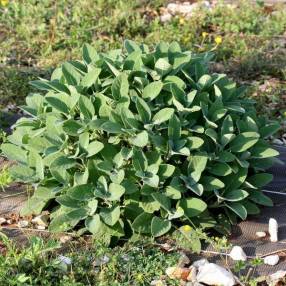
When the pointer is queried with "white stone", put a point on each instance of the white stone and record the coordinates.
(237, 253)
(40, 227)
(277, 142)
(165, 17)
(275, 277)
(23, 223)
(40, 220)
(65, 260)
(101, 261)
(184, 260)
(199, 263)
(271, 260)
(273, 230)
(260, 234)
(65, 238)
(2, 220)
(193, 274)
(212, 274)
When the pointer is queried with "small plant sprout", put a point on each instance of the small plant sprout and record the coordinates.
(5, 178)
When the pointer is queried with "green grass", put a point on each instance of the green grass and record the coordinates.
(38, 263)
(36, 36)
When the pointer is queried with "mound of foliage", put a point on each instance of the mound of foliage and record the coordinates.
(141, 141)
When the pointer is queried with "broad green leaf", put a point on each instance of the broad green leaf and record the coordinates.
(115, 191)
(163, 200)
(72, 127)
(91, 77)
(159, 226)
(233, 196)
(86, 107)
(152, 90)
(81, 192)
(174, 128)
(94, 148)
(204, 82)
(162, 66)
(93, 224)
(120, 86)
(142, 223)
(238, 209)
(139, 160)
(166, 171)
(13, 152)
(244, 141)
(263, 152)
(260, 180)
(59, 167)
(110, 215)
(269, 129)
(143, 110)
(111, 127)
(163, 115)
(195, 142)
(259, 198)
(211, 183)
(71, 75)
(193, 206)
(220, 169)
(89, 54)
(140, 140)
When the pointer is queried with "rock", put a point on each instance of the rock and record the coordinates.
(184, 260)
(40, 227)
(41, 220)
(2, 220)
(200, 263)
(277, 142)
(65, 238)
(273, 230)
(65, 260)
(193, 274)
(9, 221)
(101, 261)
(271, 260)
(237, 253)
(157, 283)
(178, 273)
(260, 234)
(212, 274)
(165, 18)
(276, 277)
(23, 223)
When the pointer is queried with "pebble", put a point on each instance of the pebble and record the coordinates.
(101, 261)
(65, 238)
(193, 274)
(178, 272)
(40, 227)
(277, 276)
(184, 260)
(2, 220)
(271, 260)
(23, 223)
(260, 234)
(65, 260)
(277, 142)
(213, 274)
(237, 253)
(41, 220)
(199, 263)
(273, 229)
